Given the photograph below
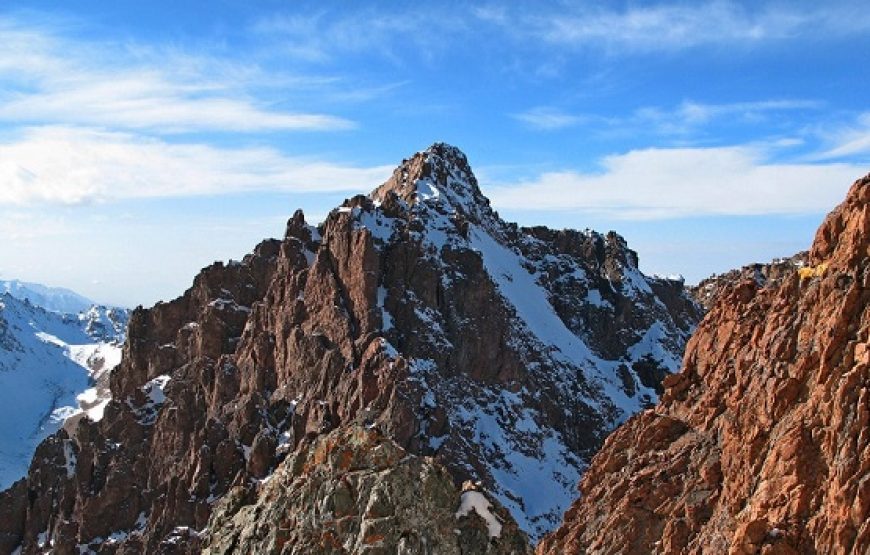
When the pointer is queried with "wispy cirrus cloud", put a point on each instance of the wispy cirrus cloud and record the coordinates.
(689, 115)
(548, 118)
(847, 140)
(674, 26)
(70, 165)
(663, 183)
(681, 119)
(319, 36)
(48, 77)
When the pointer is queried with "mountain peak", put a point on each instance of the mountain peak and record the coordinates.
(504, 353)
(439, 174)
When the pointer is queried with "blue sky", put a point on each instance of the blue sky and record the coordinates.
(140, 141)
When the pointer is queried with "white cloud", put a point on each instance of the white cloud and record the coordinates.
(75, 165)
(147, 102)
(685, 182)
(45, 77)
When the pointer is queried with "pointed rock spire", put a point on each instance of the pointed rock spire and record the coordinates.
(438, 175)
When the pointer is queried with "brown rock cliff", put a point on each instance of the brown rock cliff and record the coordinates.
(761, 444)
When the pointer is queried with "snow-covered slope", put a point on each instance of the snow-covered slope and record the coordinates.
(54, 299)
(52, 366)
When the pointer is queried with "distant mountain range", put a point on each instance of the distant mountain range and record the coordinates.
(56, 349)
(54, 299)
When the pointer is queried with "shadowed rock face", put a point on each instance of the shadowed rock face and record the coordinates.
(761, 444)
(504, 353)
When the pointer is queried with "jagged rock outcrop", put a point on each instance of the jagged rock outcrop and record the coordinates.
(761, 444)
(506, 354)
(770, 274)
(356, 491)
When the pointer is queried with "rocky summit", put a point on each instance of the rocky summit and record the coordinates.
(761, 444)
(412, 342)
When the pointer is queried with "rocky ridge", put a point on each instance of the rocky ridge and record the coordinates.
(504, 354)
(770, 274)
(53, 299)
(761, 444)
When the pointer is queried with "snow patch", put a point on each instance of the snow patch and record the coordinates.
(380, 226)
(388, 349)
(386, 317)
(633, 282)
(670, 277)
(70, 459)
(50, 339)
(426, 190)
(652, 344)
(594, 298)
(154, 399)
(223, 303)
(477, 502)
(154, 389)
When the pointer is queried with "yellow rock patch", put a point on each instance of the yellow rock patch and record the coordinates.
(810, 272)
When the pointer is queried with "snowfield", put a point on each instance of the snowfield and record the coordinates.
(53, 365)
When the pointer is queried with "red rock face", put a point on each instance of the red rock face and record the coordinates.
(761, 444)
(507, 354)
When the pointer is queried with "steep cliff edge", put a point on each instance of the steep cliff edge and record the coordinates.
(505, 354)
(761, 444)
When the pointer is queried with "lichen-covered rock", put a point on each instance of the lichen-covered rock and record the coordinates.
(355, 491)
(761, 444)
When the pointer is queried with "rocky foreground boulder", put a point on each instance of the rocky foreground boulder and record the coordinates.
(505, 354)
(356, 491)
(761, 444)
